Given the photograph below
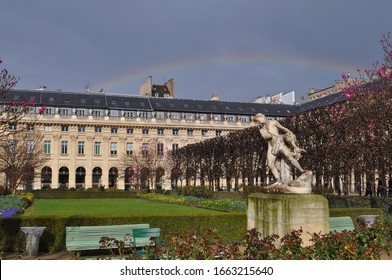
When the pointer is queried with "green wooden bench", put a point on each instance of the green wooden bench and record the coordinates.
(142, 236)
(86, 238)
(341, 223)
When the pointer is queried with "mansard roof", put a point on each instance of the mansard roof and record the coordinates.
(146, 103)
(320, 102)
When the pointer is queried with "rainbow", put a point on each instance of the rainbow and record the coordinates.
(188, 63)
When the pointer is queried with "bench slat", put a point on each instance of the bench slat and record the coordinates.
(141, 237)
(88, 237)
(341, 223)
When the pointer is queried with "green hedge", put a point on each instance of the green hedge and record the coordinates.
(88, 193)
(231, 227)
(384, 203)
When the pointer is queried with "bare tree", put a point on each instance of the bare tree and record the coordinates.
(149, 165)
(21, 154)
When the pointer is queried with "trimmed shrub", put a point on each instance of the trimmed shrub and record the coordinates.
(83, 193)
(198, 191)
(231, 227)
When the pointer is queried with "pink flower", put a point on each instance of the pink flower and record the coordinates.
(41, 110)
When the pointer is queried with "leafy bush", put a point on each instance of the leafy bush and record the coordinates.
(362, 244)
(12, 201)
(249, 189)
(27, 197)
(198, 191)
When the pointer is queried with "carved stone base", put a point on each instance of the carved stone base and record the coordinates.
(301, 185)
(281, 213)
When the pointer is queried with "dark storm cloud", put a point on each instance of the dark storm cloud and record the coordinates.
(64, 44)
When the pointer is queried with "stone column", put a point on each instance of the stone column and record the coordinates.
(32, 239)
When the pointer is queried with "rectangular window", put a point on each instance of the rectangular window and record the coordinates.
(161, 131)
(144, 149)
(190, 132)
(189, 116)
(160, 149)
(145, 131)
(217, 117)
(81, 112)
(244, 118)
(130, 114)
(64, 147)
(218, 133)
(97, 112)
(98, 129)
(30, 127)
(30, 146)
(48, 128)
(97, 148)
(175, 116)
(81, 128)
(129, 148)
(114, 113)
(80, 147)
(160, 115)
(64, 127)
(50, 111)
(47, 147)
(174, 148)
(113, 148)
(12, 146)
(129, 130)
(203, 117)
(65, 111)
(204, 132)
(114, 130)
(12, 126)
(176, 131)
(145, 115)
(231, 118)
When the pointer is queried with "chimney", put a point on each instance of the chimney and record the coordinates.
(214, 97)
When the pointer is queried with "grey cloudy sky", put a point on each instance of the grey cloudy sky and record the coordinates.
(238, 49)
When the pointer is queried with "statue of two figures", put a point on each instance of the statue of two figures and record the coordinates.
(282, 156)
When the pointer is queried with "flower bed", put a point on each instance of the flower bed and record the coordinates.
(11, 205)
(230, 205)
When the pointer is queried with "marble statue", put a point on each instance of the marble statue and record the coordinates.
(282, 156)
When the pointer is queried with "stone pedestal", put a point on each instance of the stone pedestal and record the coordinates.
(32, 239)
(367, 220)
(281, 213)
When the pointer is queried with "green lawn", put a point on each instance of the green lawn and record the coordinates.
(107, 207)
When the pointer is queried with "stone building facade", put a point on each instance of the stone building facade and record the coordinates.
(85, 134)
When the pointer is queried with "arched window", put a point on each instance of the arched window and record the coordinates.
(46, 177)
(80, 177)
(97, 177)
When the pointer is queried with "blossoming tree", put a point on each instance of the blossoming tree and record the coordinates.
(20, 148)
